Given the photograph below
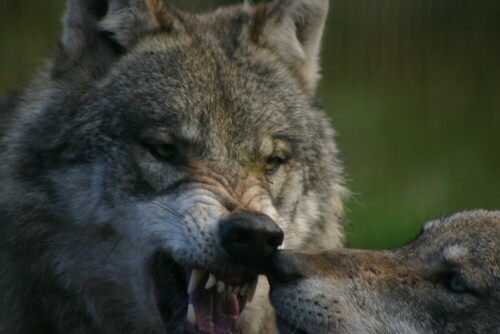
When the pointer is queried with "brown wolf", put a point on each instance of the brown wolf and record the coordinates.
(154, 164)
(446, 281)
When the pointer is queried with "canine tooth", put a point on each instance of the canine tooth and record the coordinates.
(211, 282)
(236, 290)
(243, 290)
(251, 289)
(191, 316)
(221, 286)
(229, 289)
(196, 276)
(237, 326)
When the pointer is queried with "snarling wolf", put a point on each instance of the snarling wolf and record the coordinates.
(154, 164)
(445, 281)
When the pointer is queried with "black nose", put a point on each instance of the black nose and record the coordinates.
(250, 238)
(282, 268)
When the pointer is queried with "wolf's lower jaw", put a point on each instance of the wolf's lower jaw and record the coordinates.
(196, 301)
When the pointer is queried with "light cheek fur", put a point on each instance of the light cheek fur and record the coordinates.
(321, 305)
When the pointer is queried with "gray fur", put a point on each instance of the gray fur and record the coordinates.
(411, 289)
(84, 203)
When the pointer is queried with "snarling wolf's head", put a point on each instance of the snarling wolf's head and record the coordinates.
(155, 164)
(446, 281)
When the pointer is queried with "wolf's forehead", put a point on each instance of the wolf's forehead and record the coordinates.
(184, 91)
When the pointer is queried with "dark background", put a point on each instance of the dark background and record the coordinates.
(413, 89)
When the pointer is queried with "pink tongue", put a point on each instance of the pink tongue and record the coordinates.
(216, 313)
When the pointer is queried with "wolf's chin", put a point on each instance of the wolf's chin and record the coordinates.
(199, 302)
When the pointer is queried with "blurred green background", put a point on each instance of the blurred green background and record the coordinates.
(413, 89)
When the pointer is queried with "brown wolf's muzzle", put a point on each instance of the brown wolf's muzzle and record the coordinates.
(286, 267)
(282, 268)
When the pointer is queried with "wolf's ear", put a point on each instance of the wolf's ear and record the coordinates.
(293, 29)
(114, 25)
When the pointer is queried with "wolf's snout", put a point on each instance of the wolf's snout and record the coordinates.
(249, 238)
(282, 269)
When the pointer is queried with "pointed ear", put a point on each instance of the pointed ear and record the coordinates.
(293, 29)
(112, 24)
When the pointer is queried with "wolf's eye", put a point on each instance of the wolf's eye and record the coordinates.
(455, 283)
(273, 164)
(164, 152)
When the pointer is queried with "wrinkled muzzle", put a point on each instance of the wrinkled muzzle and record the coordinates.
(205, 268)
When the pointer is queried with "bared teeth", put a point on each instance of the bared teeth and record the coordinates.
(237, 326)
(211, 282)
(251, 289)
(196, 277)
(191, 316)
(221, 286)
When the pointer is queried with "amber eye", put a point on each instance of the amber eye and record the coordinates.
(164, 152)
(273, 164)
